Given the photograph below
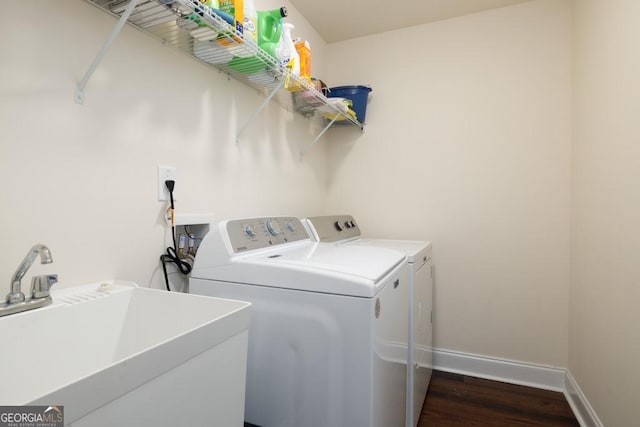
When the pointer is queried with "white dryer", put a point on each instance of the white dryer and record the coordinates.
(343, 230)
(328, 334)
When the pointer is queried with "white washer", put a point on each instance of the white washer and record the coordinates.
(343, 230)
(328, 334)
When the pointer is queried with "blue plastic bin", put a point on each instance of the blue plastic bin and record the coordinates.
(357, 94)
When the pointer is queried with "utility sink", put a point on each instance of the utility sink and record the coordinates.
(118, 354)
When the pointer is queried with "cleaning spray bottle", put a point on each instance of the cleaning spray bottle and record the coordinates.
(289, 49)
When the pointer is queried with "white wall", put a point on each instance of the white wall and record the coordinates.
(82, 179)
(468, 145)
(605, 294)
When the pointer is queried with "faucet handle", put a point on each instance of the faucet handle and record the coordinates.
(40, 285)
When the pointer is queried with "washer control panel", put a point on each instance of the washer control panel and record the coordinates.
(331, 228)
(258, 233)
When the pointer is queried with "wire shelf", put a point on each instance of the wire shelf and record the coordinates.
(188, 26)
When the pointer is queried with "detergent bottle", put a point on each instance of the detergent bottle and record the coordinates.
(270, 29)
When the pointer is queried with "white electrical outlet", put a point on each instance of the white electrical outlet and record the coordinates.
(165, 173)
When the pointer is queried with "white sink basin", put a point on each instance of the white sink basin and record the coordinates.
(115, 351)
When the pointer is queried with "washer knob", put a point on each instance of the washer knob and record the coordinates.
(347, 224)
(249, 230)
(338, 226)
(353, 224)
(291, 227)
(272, 227)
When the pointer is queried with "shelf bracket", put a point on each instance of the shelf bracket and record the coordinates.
(79, 93)
(260, 108)
(308, 147)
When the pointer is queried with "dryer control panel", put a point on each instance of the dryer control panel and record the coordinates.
(332, 228)
(257, 233)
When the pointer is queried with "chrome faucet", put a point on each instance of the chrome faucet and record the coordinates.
(40, 285)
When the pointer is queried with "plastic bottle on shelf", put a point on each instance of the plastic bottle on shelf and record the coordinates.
(304, 53)
(250, 21)
(288, 53)
(270, 29)
(293, 64)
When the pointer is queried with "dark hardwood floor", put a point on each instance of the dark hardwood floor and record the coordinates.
(458, 400)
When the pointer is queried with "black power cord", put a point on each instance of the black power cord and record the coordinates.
(172, 256)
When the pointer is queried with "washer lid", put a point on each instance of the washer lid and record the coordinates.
(366, 262)
(352, 270)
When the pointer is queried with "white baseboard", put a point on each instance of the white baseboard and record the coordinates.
(509, 371)
(521, 373)
(583, 411)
